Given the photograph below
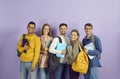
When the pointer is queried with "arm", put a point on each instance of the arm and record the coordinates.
(37, 52)
(52, 48)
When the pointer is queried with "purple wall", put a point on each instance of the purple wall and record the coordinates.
(103, 14)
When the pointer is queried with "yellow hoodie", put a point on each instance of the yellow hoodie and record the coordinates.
(33, 52)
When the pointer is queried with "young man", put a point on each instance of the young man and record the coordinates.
(29, 50)
(93, 48)
(60, 72)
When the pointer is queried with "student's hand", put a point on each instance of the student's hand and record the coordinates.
(46, 49)
(86, 51)
(26, 47)
(63, 52)
(32, 69)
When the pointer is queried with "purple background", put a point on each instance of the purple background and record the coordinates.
(103, 14)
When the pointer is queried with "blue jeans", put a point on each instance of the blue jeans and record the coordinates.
(44, 74)
(25, 71)
(93, 73)
(61, 69)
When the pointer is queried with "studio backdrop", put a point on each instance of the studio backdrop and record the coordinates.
(103, 14)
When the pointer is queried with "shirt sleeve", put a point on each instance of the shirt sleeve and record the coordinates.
(53, 45)
(37, 52)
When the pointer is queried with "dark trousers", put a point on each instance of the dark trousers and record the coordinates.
(60, 72)
(64, 72)
(73, 75)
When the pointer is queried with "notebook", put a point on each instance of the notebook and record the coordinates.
(90, 46)
(61, 46)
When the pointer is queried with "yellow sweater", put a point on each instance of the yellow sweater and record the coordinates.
(32, 54)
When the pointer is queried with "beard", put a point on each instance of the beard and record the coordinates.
(63, 33)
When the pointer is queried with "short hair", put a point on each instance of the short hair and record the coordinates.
(75, 30)
(31, 22)
(46, 24)
(88, 24)
(63, 24)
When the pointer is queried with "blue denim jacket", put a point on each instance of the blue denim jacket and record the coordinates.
(95, 61)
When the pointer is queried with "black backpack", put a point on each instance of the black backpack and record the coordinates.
(53, 60)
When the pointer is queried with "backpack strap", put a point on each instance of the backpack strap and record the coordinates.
(60, 40)
(80, 47)
(24, 35)
(93, 40)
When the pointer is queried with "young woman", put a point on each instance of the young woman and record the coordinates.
(74, 37)
(46, 38)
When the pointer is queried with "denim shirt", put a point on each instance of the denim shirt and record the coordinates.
(98, 50)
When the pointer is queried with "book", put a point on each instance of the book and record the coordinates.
(90, 46)
(61, 46)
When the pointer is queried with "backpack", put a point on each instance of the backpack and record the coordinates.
(24, 41)
(81, 63)
(93, 40)
(53, 60)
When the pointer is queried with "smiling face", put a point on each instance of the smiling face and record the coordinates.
(31, 28)
(74, 36)
(88, 30)
(63, 30)
(46, 30)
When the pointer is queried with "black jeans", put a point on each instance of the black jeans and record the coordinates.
(73, 75)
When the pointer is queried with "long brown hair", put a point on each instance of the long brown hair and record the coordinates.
(46, 24)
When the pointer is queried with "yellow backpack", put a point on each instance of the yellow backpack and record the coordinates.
(81, 63)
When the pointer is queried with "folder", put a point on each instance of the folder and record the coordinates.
(90, 46)
(61, 46)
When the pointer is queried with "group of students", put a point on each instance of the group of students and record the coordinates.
(34, 60)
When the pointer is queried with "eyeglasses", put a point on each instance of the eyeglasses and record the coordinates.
(31, 27)
(88, 28)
